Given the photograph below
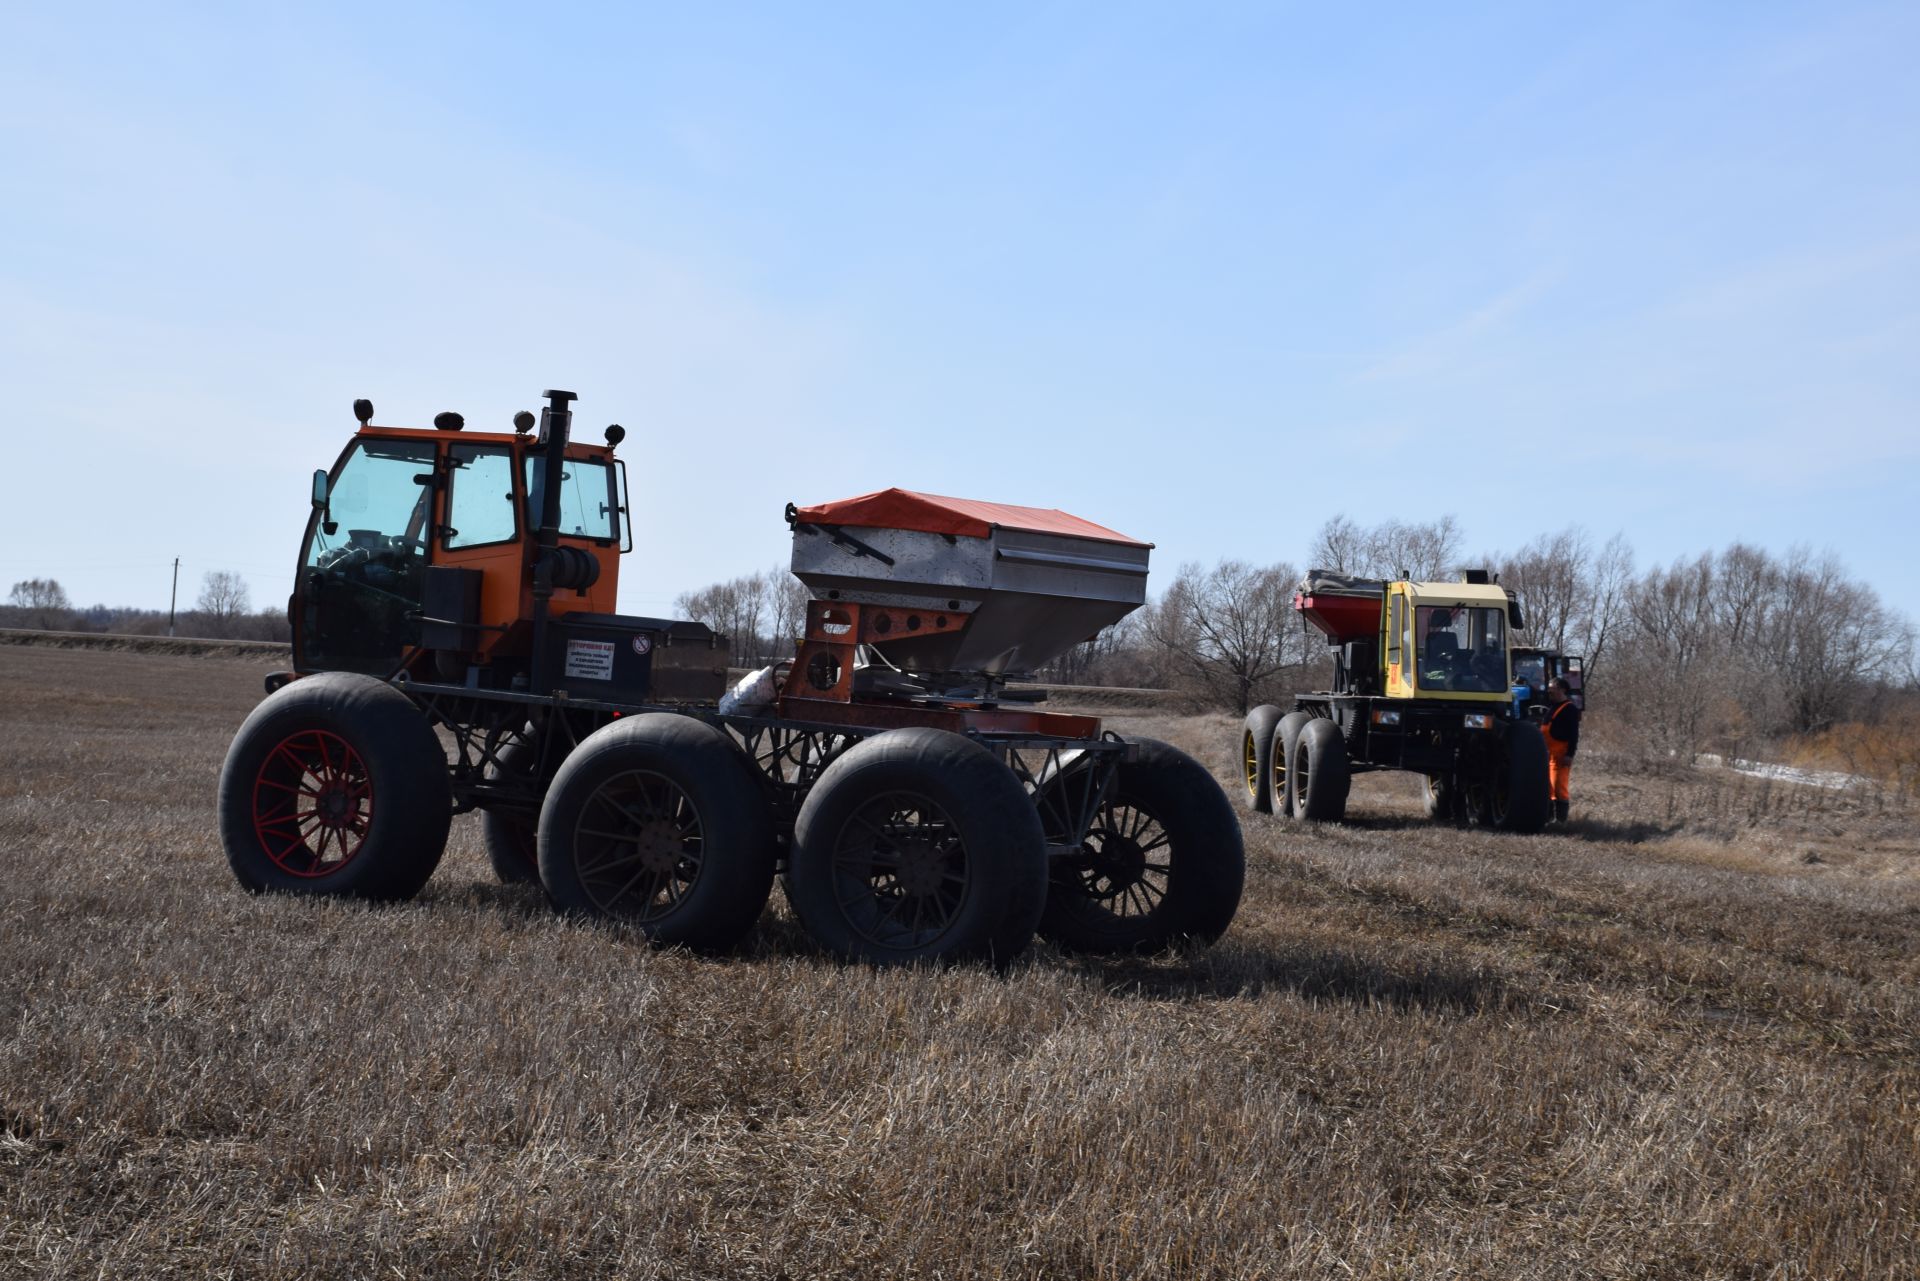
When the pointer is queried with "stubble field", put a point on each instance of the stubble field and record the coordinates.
(1679, 1041)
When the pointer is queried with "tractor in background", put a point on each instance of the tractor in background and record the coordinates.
(1423, 681)
(1533, 668)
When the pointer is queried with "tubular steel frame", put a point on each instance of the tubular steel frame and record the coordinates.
(1069, 778)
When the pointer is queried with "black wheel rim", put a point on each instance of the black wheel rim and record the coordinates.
(1499, 798)
(638, 846)
(1487, 801)
(900, 871)
(1125, 862)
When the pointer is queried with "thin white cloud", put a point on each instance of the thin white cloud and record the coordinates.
(1461, 339)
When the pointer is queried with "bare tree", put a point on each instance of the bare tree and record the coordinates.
(1746, 592)
(787, 600)
(1747, 645)
(1227, 629)
(1831, 641)
(1342, 547)
(1551, 576)
(738, 609)
(1391, 549)
(223, 598)
(1609, 586)
(1672, 675)
(749, 619)
(39, 593)
(1109, 657)
(1425, 551)
(40, 602)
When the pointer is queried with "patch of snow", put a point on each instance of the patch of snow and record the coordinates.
(1832, 780)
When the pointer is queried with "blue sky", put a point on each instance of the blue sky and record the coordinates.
(1207, 274)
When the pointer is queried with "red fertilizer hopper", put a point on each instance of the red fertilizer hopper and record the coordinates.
(952, 590)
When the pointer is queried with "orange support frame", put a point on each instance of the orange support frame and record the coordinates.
(819, 688)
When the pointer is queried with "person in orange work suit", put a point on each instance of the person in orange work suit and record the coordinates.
(1562, 732)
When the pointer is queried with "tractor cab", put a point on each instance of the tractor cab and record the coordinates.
(1534, 668)
(430, 553)
(1445, 640)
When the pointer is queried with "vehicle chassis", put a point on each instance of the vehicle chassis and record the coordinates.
(1429, 739)
(788, 754)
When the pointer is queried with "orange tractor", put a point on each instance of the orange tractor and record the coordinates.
(456, 648)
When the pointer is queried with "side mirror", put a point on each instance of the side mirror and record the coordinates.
(321, 494)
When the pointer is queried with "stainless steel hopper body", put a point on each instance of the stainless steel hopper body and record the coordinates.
(1011, 601)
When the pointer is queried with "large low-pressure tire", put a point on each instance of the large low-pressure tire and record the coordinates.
(337, 785)
(1161, 865)
(512, 840)
(1286, 736)
(655, 821)
(1508, 790)
(1256, 756)
(918, 845)
(1528, 803)
(1320, 776)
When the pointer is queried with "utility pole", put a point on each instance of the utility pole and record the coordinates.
(173, 599)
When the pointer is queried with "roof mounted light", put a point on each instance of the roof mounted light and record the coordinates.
(615, 434)
(447, 420)
(522, 423)
(363, 410)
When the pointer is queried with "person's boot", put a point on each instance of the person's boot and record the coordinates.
(1560, 812)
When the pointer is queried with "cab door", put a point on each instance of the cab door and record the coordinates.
(363, 571)
(1398, 646)
(481, 531)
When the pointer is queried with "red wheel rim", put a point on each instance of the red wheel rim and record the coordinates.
(312, 804)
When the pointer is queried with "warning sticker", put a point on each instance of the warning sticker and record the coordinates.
(590, 660)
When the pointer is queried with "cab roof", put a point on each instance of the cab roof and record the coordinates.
(575, 448)
(1458, 594)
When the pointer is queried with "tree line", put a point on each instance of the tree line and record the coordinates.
(223, 610)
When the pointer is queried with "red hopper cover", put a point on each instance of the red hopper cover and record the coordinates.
(963, 517)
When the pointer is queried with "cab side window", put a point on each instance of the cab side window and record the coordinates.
(479, 496)
(587, 502)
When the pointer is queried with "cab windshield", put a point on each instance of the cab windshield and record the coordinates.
(1462, 649)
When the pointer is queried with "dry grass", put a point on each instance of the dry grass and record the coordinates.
(1680, 1042)
(274, 653)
